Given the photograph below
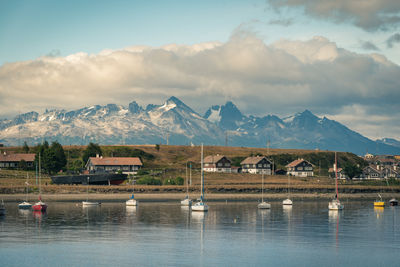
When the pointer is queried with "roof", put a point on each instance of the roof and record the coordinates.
(17, 157)
(213, 158)
(252, 160)
(115, 161)
(296, 162)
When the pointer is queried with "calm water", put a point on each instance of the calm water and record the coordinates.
(230, 234)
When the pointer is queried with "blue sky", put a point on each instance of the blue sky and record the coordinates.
(336, 58)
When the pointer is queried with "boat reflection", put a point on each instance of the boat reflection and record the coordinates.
(379, 211)
(131, 210)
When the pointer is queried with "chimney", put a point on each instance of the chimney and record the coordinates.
(97, 155)
(377, 167)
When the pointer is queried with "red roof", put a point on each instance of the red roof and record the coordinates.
(115, 161)
(332, 170)
(17, 157)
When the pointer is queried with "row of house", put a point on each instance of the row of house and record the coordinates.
(98, 164)
(255, 165)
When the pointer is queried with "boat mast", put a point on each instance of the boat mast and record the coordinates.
(262, 190)
(87, 190)
(202, 174)
(336, 181)
(40, 180)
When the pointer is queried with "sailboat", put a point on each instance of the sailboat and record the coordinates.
(393, 201)
(288, 201)
(87, 202)
(263, 204)
(25, 204)
(132, 201)
(335, 203)
(379, 202)
(201, 205)
(186, 201)
(40, 205)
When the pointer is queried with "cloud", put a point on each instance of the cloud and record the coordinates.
(370, 15)
(281, 22)
(279, 78)
(394, 39)
(367, 45)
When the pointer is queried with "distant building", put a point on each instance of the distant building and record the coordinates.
(217, 163)
(340, 172)
(380, 172)
(127, 165)
(257, 165)
(300, 167)
(12, 160)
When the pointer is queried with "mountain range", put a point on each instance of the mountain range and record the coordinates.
(176, 123)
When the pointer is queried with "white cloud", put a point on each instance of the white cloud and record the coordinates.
(370, 15)
(281, 78)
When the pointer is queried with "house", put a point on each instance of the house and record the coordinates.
(217, 163)
(371, 172)
(257, 165)
(340, 173)
(390, 172)
(12, 160)
(300, 167)
(127, 165)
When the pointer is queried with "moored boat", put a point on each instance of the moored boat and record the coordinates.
(132, 201)
(263, 204)
(393, 202)
(24, 205)
(335, 203)
(379, 202)
(201, 205)
(87, 202)
(40, 205)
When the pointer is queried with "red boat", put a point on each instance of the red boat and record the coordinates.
(40, 206)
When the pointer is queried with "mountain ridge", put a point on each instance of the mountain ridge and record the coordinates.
(176, 123)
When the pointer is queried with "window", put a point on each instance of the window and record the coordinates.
(299, 168)
(259, 165)
(219, 164)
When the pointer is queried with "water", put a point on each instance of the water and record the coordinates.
(230, 234)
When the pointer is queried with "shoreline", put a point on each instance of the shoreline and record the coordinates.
(212, 197)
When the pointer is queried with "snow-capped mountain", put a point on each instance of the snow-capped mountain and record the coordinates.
(179, 124)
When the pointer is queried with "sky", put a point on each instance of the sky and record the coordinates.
(339, 59)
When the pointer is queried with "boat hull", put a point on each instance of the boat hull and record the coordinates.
(186, 202)
(97, 179)
(393, 202)
(379, 204)
(287, 202)
(200, 206)
(264, 205)
(132, 202)
(88, 203)
(40, 207)
(335, 205)
(25, 206)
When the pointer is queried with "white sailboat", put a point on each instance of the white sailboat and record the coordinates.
(288, 201)
(132, 201)
(263, 204)
(186, 201)
(40, 205)
(201, 205)
(335, 203)
(25, 204)
(87, 202)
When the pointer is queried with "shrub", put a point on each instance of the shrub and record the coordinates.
(149, 181)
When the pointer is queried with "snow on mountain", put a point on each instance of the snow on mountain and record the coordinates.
(179, 124)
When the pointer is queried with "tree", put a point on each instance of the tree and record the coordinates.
(157, 147)
(52, 158)
(25, 148)
(91, 151)
(352, 170)
(23, 165)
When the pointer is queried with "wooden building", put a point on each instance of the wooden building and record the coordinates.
(217, 163)
(127, 165)
(300, 167)
(12, 160)
(257, 165)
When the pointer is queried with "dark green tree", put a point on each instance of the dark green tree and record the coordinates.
(91, 151)
(352, 170)
(25, 147)
(157, 147)
(59, 156)
(23, 165)
(52, 157)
